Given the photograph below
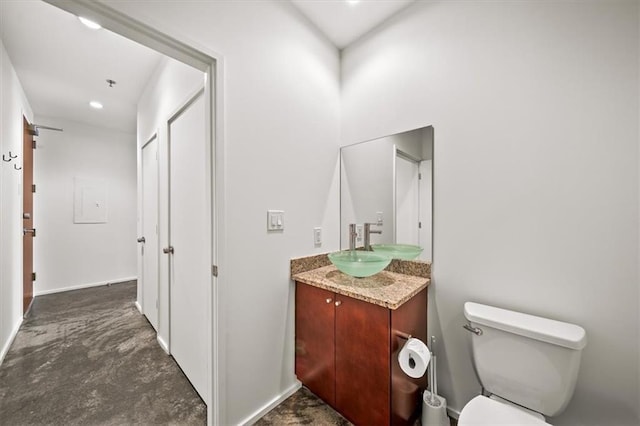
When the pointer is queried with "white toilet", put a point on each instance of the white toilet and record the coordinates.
(527, 364)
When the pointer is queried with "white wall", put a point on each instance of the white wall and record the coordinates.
(535, 110)
(13, 105)
(281, 132)
(171, 85)
(69, 255)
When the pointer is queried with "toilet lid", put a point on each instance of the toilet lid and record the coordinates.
(484, 411)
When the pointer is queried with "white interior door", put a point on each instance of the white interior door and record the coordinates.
(190, 270)
(407, 201)
(150, 249)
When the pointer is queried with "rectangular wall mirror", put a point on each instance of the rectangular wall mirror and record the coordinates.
(389, 182)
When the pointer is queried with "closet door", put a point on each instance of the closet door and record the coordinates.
(189, 267)
(150, 249)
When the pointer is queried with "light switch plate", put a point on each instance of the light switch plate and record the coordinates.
(317, 236)
(275, 220)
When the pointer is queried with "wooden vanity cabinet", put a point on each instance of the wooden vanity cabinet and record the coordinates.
(346, 353)
(315, 347)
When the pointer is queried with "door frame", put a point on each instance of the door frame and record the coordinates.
(167, 42)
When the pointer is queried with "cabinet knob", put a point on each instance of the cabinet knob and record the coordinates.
(329, 300)
(338, 303)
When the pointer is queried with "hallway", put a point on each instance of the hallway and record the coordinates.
(89, 357)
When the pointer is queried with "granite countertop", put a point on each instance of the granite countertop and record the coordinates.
(387, 289)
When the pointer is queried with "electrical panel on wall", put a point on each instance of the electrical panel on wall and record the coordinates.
(89, 200)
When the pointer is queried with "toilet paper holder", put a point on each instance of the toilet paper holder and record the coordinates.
(403, 335)
(413, 356)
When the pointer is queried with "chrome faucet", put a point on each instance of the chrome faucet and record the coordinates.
(367, 235)
(352, 236)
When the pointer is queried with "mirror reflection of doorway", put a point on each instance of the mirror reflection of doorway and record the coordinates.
(407, 199)
(426, 209)
(413, 202)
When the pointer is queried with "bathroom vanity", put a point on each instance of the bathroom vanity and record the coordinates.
(348, 335)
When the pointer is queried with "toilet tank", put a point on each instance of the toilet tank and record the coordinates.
(529, 360)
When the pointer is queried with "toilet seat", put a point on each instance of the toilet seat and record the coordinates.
(486, 411)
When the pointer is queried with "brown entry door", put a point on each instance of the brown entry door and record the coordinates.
(27, 218)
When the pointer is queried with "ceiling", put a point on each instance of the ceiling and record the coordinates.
(63, 65)
(344, 21)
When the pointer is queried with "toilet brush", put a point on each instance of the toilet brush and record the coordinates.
(434, 407)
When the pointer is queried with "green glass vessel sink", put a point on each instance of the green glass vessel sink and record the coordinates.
(398, 251)
(359, 263)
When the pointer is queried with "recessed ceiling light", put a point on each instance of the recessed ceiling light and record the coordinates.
(352, 2)
(89, 23)
(95, 104)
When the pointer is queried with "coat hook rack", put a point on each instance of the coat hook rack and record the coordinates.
(12, 156)
(4, 159)
(15, 166)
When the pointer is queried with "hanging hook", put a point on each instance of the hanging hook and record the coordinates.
(15, 166)
(11, 155)
(4, 159)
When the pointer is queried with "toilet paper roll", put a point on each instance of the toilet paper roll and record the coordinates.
(414, 358)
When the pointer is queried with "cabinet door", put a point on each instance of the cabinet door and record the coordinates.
(315, 349)
(362, 361)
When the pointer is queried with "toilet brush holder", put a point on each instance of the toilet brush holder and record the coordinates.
(434, 407)
(434, 410)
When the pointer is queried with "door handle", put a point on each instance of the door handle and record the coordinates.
(141, 240)
(168, 250)
(26, 231)
(26, 215)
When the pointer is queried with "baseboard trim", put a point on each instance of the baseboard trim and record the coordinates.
(271, 404)
(454, 414)
(163, 344)
(10, 340)
(138, 307)
(81, 286)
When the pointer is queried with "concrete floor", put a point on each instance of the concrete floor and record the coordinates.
(88, 357)
(303, 408)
